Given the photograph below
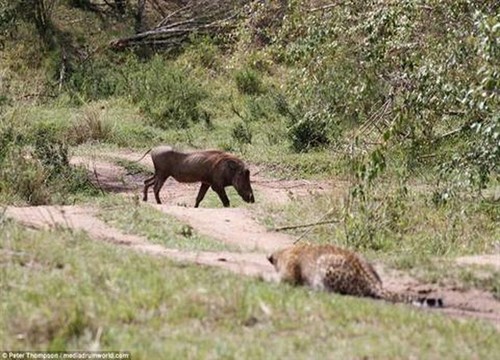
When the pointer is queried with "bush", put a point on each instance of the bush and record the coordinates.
(90, 126)
(51, 152)
(23, 176)
(8, 18)
(168, 94)
(8, 137)
(479, 161)
(241, 133)
(311, 131)
(35, 167)
(406, 75)
(248, 82)
(95, 79)
(204, 52)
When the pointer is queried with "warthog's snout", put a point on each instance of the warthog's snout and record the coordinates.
(248, 197)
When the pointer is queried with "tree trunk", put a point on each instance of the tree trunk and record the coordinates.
(120, 6)
(139, 16)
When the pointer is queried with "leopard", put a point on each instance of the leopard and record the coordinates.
(326, 267)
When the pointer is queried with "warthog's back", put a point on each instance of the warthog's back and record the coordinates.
(161, 149)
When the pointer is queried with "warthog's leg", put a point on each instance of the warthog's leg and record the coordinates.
(222, 195)
(160, 180)
(201, 194)
(147, 184)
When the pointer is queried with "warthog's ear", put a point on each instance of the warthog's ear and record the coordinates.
(247, 173)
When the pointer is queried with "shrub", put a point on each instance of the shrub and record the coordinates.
(204, 52)
(51, 152)
(310, 131)
(8, 18)
(35, 167)
(407, 75)
(23, 176)
(94, 79)
(248, 82)
(241, 133)
(90, 125)
(168, 94)
(8, 137)
(479, 161)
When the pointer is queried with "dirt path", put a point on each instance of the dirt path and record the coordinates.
(82, 218)
(231, 225)
(492, 260)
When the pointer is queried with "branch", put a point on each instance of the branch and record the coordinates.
(172, 14)
(310, 226)
(233, 109)
(197, 16)
(98, 182)
(123, 42)
(450, 133)
(305, 225)
(325, 7)
(455, 131)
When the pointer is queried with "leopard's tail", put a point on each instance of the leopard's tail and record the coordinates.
(396, 297)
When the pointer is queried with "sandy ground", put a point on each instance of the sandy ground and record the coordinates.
(235, 226)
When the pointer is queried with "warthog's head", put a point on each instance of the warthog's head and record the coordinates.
(241, 182)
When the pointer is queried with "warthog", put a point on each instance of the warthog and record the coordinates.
(212, 168)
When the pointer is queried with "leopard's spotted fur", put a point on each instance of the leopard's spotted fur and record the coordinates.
(330, 268)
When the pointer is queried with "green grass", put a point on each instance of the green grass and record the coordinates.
(412, 225)
(114, 121)
(134, 217)
(58, 293)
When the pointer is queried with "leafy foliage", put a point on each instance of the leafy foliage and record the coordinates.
(34, 12)
(167, 93)
(241, 133)
(248, 82)
(482, 101)
(309, 132)
(94, 79)
(8, 18)
(431, 66)
(35, 168)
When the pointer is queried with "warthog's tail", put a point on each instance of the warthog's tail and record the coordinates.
(142, 157)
